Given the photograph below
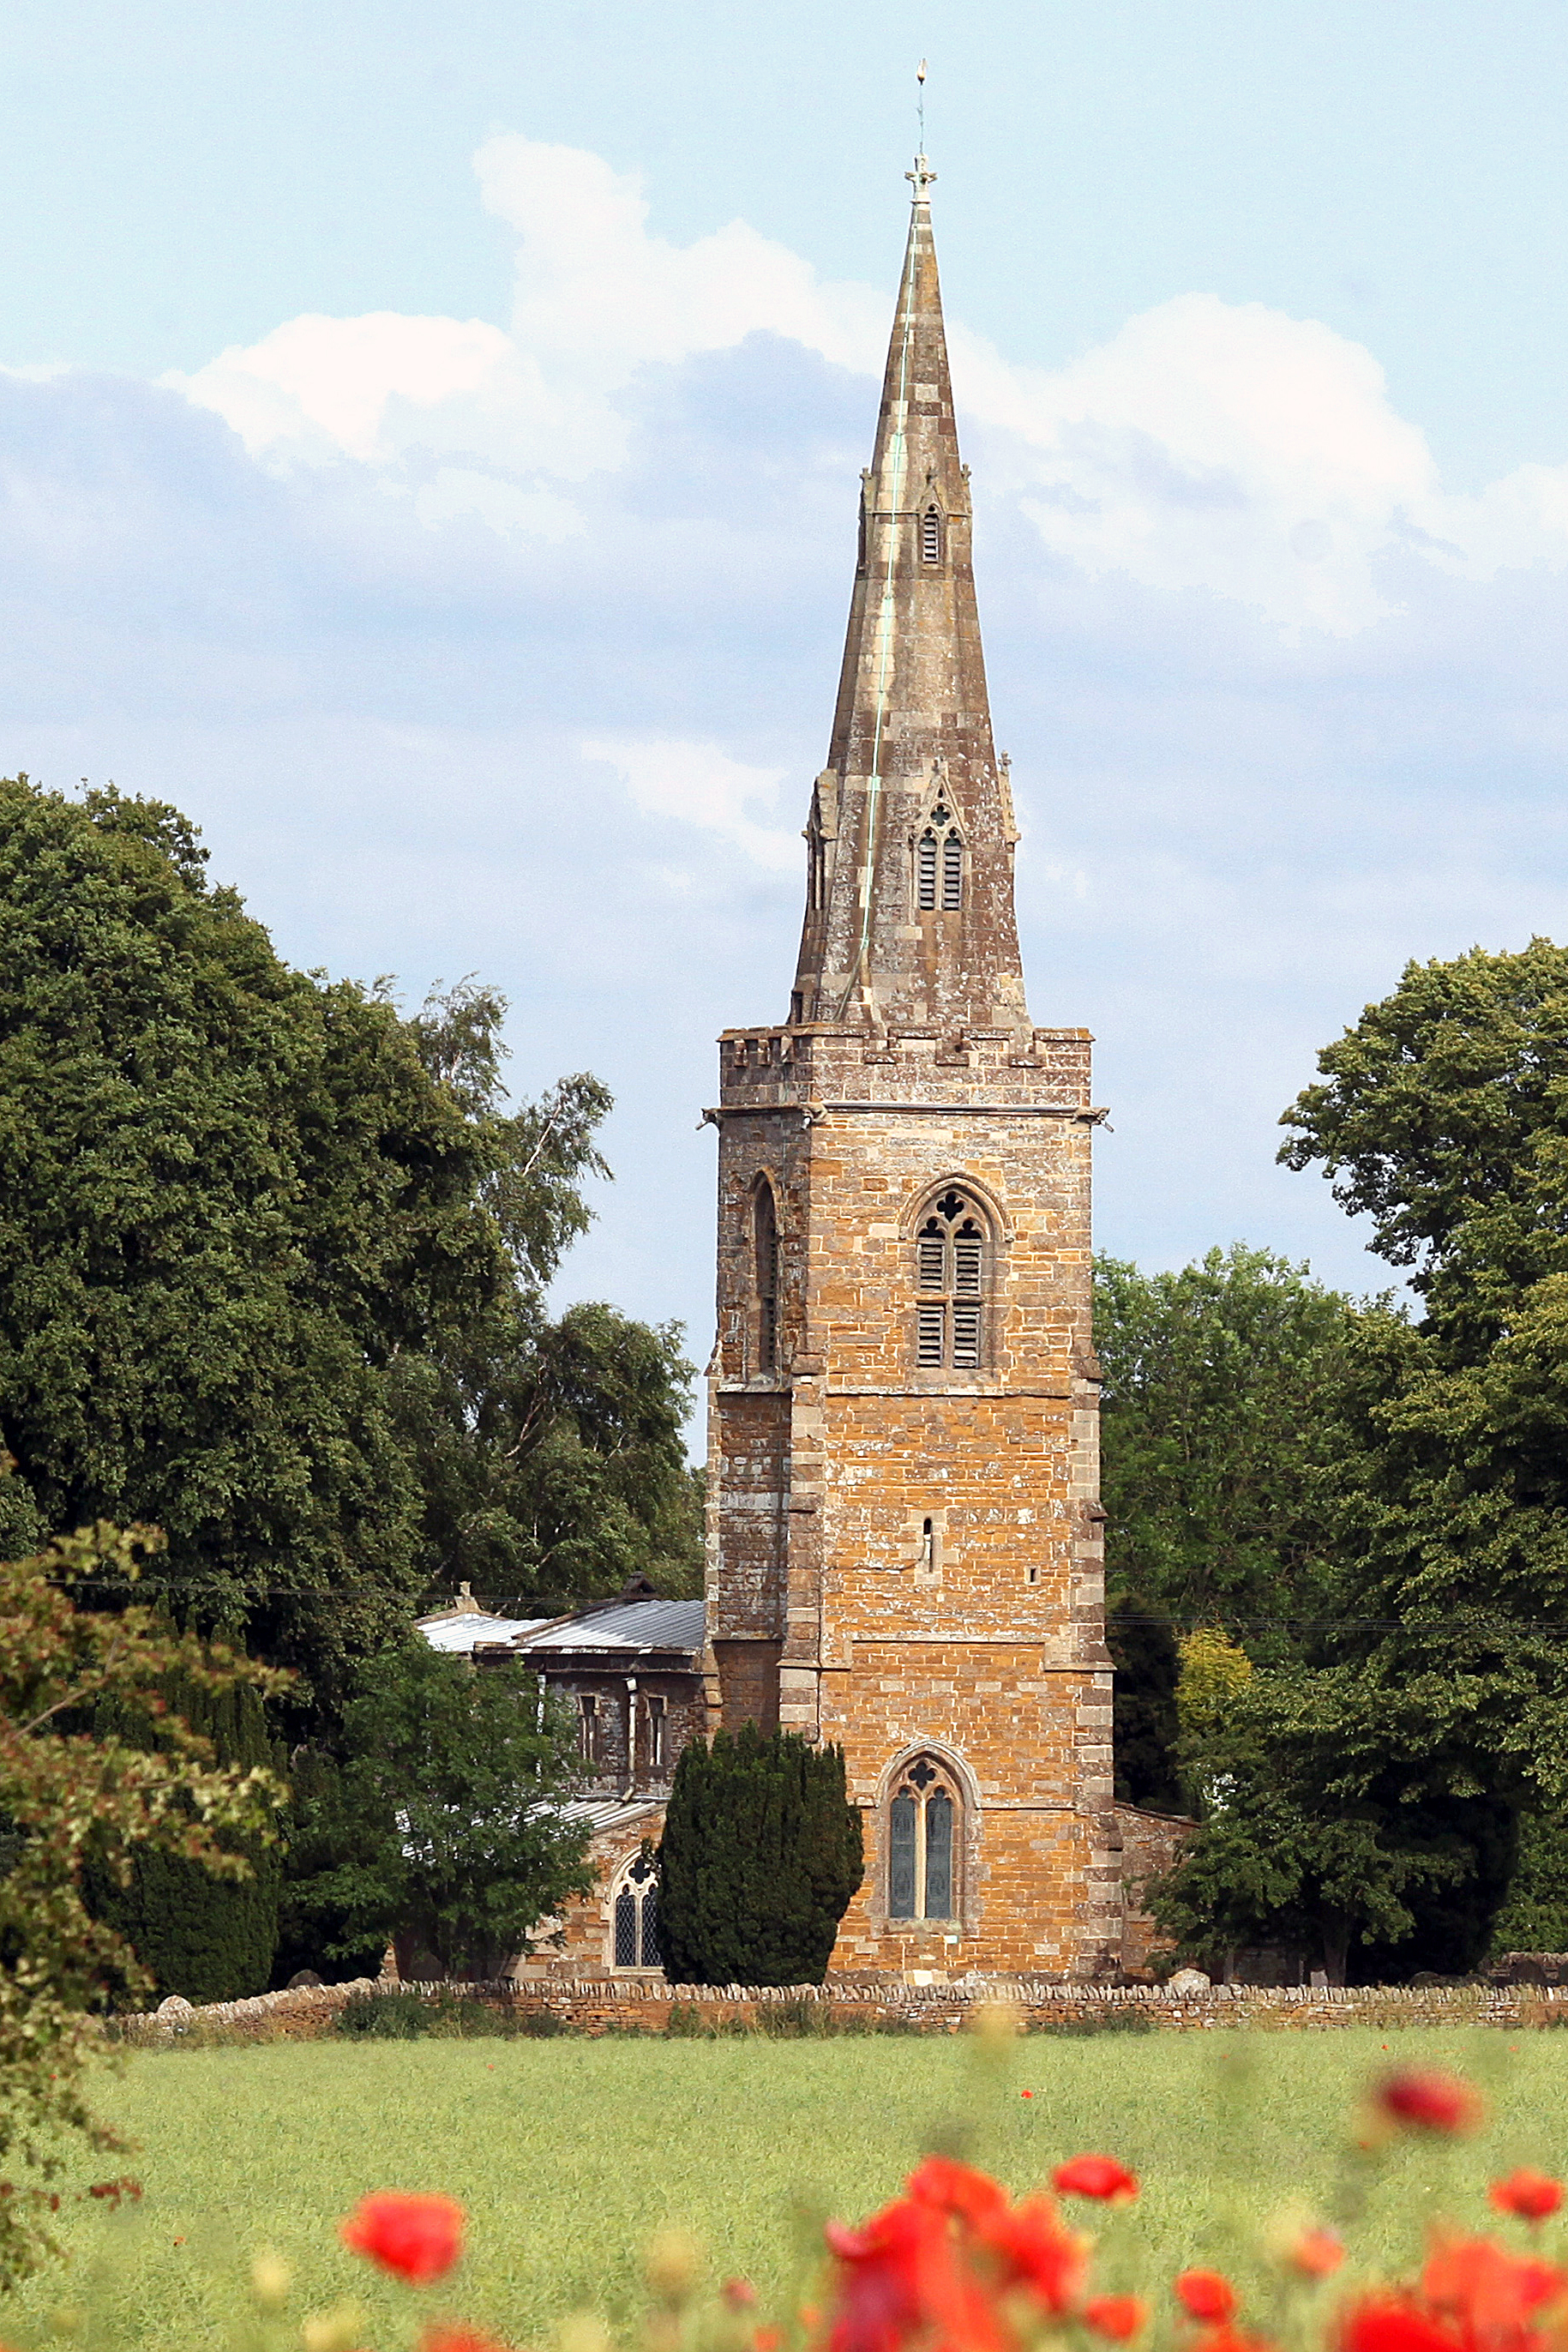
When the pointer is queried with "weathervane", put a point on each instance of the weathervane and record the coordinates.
(922, 176)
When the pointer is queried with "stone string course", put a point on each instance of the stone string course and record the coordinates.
(592, 2005)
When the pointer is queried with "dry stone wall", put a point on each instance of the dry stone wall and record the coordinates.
(592, 2005)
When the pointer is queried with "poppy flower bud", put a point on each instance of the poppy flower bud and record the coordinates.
(1316, 2253)
(672, 2265)
(270, 2280)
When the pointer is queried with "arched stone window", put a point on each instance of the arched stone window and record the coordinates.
(931, 536)
(925, 1845)
(765, 1238)
(635, 1917)
(950, 1281)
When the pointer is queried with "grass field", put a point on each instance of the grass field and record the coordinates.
(570, 2153)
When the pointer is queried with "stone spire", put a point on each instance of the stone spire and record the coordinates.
(909, 906)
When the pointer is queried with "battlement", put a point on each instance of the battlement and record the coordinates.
(815, 1067)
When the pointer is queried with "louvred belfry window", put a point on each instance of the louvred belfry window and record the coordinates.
(939, 863)
(950, 1276)
(923, 1846)
(931, 536)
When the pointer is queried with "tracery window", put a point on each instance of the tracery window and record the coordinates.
(635, 1917)
(939, 863)
(950, 1274)
(923, 1844)
(765, 1236)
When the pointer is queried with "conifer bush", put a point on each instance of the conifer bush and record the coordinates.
(761, 1852)
(207, 1938)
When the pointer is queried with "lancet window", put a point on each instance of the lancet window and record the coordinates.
(931, 536)
(765, 1236)
(923, 1819)
(939, 862)
(950, 1282)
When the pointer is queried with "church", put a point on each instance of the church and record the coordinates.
(904, 1541)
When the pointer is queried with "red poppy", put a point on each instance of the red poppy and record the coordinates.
(1316, 2253)
(1026, 2095)
(953, 2266)
(1206, 2294)
(1430, 2099)
(739, 2293)
(954, 2187)
(1119, 2316)
(1484, 2288)
(418, 2237)
(1392, 2322)
(1037, 2252)
(1095, 2176)
(1531, 2195)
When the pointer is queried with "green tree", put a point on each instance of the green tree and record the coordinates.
(551, 1457)
(1220, 1407)
(1443, 1117)
(1385, 1778)
(761, 1854)
(1221, 1383)
(314, 1931)
(1533, 1916)
(444, 1830)
(69, 1799)
(272, 1259)
(1305, 1836)
(209, 1938)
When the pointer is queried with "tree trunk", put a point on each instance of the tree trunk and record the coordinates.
(1336, 1949)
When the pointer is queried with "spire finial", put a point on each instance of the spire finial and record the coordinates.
(922, 176)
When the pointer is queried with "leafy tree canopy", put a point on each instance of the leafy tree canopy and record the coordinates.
(1220, 1404)
(271, 1267)
(1221, 1382)
(445, 1829)
(71, 1798)
(1389, 1768)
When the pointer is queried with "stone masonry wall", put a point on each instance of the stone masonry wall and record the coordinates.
(988, 1645)
(595, 2006)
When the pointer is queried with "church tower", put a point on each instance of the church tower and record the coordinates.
(904, 1545)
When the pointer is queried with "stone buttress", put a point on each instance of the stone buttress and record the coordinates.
(904, 1539)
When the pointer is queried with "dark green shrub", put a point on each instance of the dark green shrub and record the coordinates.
(208, 1938)
(385, 2017)
(761, 1853)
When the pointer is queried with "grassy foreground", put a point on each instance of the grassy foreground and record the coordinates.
(570, 2153)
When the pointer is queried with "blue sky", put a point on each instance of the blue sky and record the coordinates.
(428, 453)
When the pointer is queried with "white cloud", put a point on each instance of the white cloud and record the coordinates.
(1217, 448)
(701, 785)
(594, 289)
